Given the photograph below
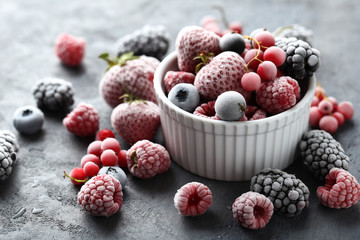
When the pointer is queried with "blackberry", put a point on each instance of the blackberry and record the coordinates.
(150, 41)
(8, 148)
(53, 93)
(288, 194)
(294, 30)
(301, 59)
(321, 152)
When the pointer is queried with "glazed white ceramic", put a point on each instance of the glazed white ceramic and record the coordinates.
(230, 151)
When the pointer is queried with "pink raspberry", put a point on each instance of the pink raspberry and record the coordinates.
(207, 110)
(259, 114)
(193, 199)
(174, 77)
(253, 210)
(83, 120)
(70, 49)
(101, 195)
(278, 95)
(340, 191)
(145, 159)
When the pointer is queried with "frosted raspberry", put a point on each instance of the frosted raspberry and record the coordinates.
(278, 95)
(253, 210)
(174, 77)
(145, 159)
(207, 110)
(101, 195)
(193, 199)
(70, 49)
(340, 191)
(83, 120)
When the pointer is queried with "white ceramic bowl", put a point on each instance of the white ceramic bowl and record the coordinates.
(230, 151)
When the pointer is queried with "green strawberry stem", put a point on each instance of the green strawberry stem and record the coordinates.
(129, 98)
(205, 58)
(120, 61)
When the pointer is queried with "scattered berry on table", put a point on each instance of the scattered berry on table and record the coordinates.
(325, 106)
(101, 195)
(136, 120)
(232, 42)
(95, 148)
(339, 117)
(70, 49)
(329, 123)
(108, 158)
(207, 110)
(151, 41)
(210, 23)
(301, 59)
(146, 159)
(278, 95)
(103, 134)
(314, 116)
(185, 96)
(53, 94)
(28, 119)
(321, 152)
(111, 143)
(230, 106)
(214, 72)
(253, 210)
(175, 77)
(90, 158)
(128, 74)
(116, 172)
(341, 190)
(122, 159)
(347, 109)
(267, 71)
(288, 193)
(190, 42)
(275, 55)
(250, 81)
(8, 156)
(193, 199)
(91, 169)
(77, 176)
(82, 121)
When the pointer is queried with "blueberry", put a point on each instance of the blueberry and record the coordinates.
(185, 96)
(28, 119)
(116, 172)
(232, 42)
(230, 106)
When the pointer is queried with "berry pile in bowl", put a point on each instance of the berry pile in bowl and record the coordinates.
(233, 105)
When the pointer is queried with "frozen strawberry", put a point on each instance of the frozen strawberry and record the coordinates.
(175, 77)
(190, 42)
(222, 74)
(136, 120)
(128, 74)
(193, 199)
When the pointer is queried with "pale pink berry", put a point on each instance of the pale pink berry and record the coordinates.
(328, 123)
(339, 117)
(315, 116)
(315, 101)
(325, 106)
(253, 210)
(334, 102)
(250, 81)
(347, 109)
(193, 199)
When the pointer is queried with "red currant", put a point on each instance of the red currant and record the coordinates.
(91, 169)
(122, 162)
(77, 174)
(347, 109)
(104, 133)
(95, 148)
(109, 158)
(111, 143)
(90, 158)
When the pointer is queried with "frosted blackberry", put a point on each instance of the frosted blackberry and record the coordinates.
(321, 152)
(53, 93)
(301, 59)
(150, 41)
(8, 148)
(288, 194)
(294, 30)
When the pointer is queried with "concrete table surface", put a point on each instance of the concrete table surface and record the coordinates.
(27, 33)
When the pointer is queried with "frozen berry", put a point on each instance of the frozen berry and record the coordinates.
(253, 58)
(236, 27)
(341, 190)
(146, 159)
(91, 169)
(193, 199)
(259, 114)
(328, 123)
(315, 116)
(95, 148)
(108, 158)
(253, 210)
(103, 134)
(101, 195)
(275, 54)
(265, 39)
(90, 158)
(70, 49)
(232, 42)
(334, 103)
(77, 176)
(122, 162)
(28, 119)
(339, 117)
(230, 106)
(206, 110)
(111, 143)
(175, 77)
(267, 71)
(250, 81)
(82, 121)
(347, 109)
(325, 106)
(315, 101)
(210, 23)
(185, 96)
(116, 172)
(8, 149)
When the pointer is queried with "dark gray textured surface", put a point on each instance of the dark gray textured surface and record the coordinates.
(27, 32)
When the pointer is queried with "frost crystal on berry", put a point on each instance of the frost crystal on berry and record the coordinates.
(8, 148)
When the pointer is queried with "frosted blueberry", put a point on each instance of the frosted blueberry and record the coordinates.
(230, 106)
(232, 42)
(28, 119)
(116, 172)
(185, 96)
